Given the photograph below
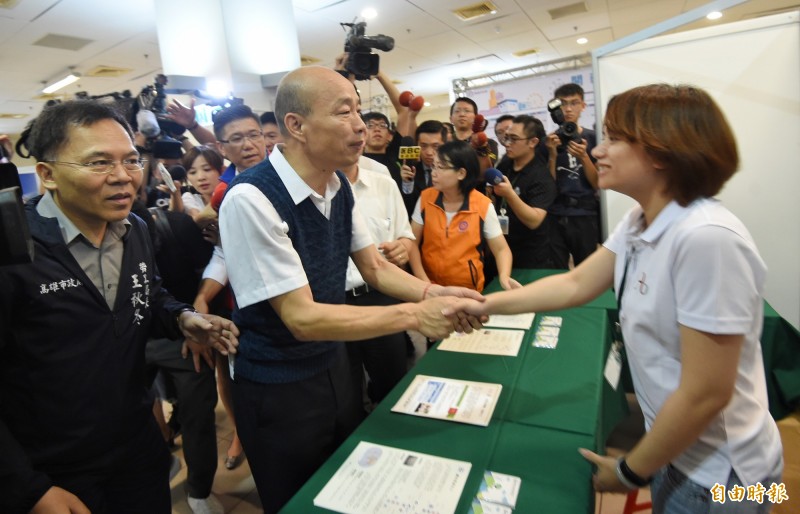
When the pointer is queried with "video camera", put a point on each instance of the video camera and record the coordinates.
(151, 120)
(361, 62)
(567, 130)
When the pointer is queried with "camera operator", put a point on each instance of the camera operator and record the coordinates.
(575, 212)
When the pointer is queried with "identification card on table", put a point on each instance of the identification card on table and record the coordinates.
(485, 341)
(450, 399)
(377, 479)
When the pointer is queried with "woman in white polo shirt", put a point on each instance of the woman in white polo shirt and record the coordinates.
(689, 281)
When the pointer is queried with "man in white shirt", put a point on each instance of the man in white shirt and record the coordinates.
(383, 358)
(288, 226)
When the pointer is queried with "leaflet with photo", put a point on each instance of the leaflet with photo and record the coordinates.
(377, 479)
(450, 399)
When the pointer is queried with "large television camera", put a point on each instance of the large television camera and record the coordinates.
(567, 130)
(361, 62)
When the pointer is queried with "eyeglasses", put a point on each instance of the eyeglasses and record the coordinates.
(437, 166)
(574, 103)
(382, 125)
(510, 140)
(238, 139)
(463, 111)
(106, 166)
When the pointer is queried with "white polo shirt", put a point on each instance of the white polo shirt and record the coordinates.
(382, 207)
(697, 266)
(260, 258)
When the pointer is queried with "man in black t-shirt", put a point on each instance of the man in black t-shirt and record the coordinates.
(525, 194)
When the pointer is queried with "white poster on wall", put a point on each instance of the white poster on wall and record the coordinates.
(529, 95)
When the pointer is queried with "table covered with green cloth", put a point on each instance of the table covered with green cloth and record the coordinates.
(553, 402)
(780, 346)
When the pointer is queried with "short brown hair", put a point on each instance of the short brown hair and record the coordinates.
(683, 130)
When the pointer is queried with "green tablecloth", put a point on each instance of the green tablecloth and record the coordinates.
(552, 403)
(780, 345)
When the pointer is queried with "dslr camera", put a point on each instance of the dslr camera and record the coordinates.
(567, 130)
(361, 62)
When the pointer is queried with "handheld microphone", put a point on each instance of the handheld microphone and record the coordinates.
(178, 172)
(480, 123)
(408, 149)
(493, 176)
(218, 195)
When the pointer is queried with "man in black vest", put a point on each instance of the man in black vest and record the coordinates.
(77, 433)
(288, 226)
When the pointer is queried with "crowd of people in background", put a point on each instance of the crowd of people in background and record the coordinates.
(306, 229)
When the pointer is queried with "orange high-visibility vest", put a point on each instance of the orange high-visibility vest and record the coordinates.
(452, 254)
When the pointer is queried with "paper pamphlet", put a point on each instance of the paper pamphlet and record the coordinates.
(521, 321)
(499, 488)
(482, 507)
(485, 341)
(449, 399)
(377, 479)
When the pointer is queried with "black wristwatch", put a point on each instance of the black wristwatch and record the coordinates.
(185, 309)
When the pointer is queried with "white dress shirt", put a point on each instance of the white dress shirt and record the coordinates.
(260, 258)
(380, 203)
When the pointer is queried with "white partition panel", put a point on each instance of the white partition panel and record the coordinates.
(752, 69)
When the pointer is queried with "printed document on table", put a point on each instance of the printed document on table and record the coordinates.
(521, 321)
(486, 341)
(377, 479)
(450, 399)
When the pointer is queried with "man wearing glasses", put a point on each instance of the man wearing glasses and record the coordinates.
(462, 116)
(77, 431)
(239, 139)
(524, 196)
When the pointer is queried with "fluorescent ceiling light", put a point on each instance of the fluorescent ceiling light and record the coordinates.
(55, 86)
(369, 13)
(714, 15)
(582, 41)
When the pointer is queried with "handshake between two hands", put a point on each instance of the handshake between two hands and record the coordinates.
(449, 309)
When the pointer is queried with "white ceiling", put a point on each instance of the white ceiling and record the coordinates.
(432, 46)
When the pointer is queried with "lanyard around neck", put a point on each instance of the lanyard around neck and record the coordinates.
(629, 255)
